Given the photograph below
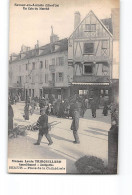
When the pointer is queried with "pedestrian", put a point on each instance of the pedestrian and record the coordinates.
(15, 99)
(83, 108)
(114, 112)
(61, 110)
(26, 111)
(43, 128)
(32, 106)
(75, 126)
(93, 108)
(86, 103)
(10, 117)
(105, 109)
(57, 107)
(71, 111)
(41, 104)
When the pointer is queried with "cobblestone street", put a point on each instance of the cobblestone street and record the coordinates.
(93, 133)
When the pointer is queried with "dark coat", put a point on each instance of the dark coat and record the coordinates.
(26, 112)
(43, 124)
(93, 106)
(75, 122)
(61, 110)
(10, 117)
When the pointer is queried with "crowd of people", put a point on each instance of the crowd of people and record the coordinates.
(14, 98)
(74, 107)
(60, 108)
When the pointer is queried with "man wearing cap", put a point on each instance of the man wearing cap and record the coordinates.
(43, 128)
(75, 123)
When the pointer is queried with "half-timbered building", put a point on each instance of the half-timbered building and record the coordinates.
(90, 56)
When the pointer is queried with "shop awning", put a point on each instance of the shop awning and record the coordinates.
(90, 83)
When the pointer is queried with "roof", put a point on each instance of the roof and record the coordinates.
(91, 12)
(62, 45)
(108, 23)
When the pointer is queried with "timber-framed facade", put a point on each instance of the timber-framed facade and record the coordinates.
(90, 57)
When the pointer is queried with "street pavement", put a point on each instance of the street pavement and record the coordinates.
(93, 134)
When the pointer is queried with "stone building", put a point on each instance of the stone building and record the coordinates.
(40, 71)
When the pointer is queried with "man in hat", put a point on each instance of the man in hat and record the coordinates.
(75, 123)
(43, 128)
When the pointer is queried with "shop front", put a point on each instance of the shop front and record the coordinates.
(100, 92)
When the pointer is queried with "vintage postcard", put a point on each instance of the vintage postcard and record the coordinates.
(63, 94)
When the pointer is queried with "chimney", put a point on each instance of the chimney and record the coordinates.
(115, 23)
(77, 19)
(53, 37)
(37, 45)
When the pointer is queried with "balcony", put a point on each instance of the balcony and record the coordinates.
(52, 68)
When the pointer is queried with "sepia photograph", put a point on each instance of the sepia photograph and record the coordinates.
(63, 86)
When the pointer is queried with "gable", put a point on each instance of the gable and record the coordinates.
(91, 27)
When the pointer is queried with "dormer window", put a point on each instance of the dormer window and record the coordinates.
(90, 27)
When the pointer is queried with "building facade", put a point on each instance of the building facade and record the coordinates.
(81, 64)
(90, 56)
(42, 71)
(115, 65)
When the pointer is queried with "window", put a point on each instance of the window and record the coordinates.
(33, 66)
(102, 91)
(60, 61)
(83, 92)
(88, 48)
(53, 61)
(88, 69)
(46, 64)
(41, 64)
(90, 27)
(104, 44)
(106, 91)
(60, 77)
